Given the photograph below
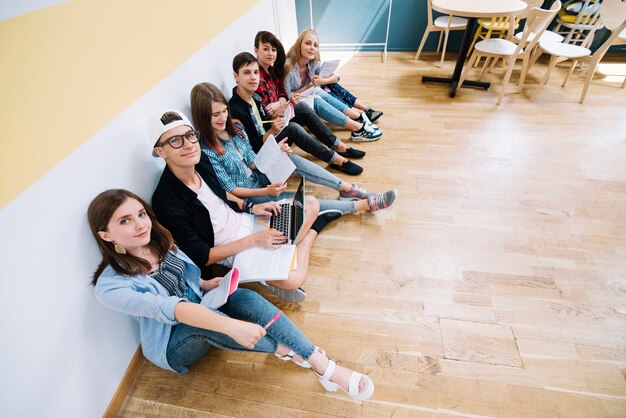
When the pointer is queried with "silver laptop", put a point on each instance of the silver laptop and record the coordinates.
(290, 219)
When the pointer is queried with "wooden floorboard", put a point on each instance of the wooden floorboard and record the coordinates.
(495, 287)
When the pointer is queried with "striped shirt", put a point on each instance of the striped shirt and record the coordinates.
(171, 275)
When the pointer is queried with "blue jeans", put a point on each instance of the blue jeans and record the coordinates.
(337, 91)
(188, 344)
(312, 172)
(330, 109)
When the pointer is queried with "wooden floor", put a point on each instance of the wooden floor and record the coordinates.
(495, 287)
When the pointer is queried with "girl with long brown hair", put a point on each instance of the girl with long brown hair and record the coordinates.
(143, 275)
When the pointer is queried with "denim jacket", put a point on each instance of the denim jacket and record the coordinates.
(292, 80)
(148, 302)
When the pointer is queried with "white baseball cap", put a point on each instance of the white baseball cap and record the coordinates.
(156, 126)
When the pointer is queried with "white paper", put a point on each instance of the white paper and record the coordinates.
(273, 162)
(218, 296)
(256, 264)
(309, 95)
(288, 115)
(328, 68)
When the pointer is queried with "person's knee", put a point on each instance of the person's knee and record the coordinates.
(296, 279)
(245, 297)
(312, 205)
(303, 108)
(294, 131)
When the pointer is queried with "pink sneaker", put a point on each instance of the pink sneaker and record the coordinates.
(382, 201)
(355, 193)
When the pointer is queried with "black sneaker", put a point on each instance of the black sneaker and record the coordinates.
(348, 167)
(352, 153)
(373, 115)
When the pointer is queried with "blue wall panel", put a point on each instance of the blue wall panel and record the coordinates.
(360, 21)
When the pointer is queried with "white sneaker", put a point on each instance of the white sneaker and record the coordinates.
(294, 296)
(367, 121)
(366, 135)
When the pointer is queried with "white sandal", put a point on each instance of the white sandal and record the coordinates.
(353, 386)
(289, 357)
(304, 364)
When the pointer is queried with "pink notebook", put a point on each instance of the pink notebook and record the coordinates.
(217, 297)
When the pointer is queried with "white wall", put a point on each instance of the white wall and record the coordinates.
(63, 355)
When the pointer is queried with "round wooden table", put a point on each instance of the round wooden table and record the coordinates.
(472, 9)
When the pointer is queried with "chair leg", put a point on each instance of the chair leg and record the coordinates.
(551, 65)
(535, 55)
(445, 44)
(587, 83)
(424, 37)
(571, 70)
(522, 77)
(439, 42)
(485, 65)
(624, 83)
(493, 64)
(476, 35)
(507, 77)
(467, 68)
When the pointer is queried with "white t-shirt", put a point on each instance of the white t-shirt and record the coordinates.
(226, 222)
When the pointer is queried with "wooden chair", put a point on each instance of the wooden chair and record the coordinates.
(576, 28)
(547, 35)
(500, 26)
(613, 17)
(494, 27)
(442, 24)
(493, 49)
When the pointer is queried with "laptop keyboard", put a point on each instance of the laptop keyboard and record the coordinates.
(281, 222)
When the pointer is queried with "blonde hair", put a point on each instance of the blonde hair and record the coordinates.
(295, 52)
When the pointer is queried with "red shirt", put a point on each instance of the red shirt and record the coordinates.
(271, 87)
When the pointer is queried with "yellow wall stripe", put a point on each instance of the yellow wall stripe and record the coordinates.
(67, 70)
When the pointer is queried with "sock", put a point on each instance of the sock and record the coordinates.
(324, 219)
(361, 128)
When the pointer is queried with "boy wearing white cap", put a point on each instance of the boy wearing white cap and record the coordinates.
(209, 224)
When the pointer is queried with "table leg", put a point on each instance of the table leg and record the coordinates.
(460, 61)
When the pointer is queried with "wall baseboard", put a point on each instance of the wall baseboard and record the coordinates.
(127, 382)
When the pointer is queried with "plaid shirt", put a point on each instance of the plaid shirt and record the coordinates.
(271, 87)
(229, 167)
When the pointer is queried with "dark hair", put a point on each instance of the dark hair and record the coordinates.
(202, 97)
(243, 59)
(269, 38)
(167, 117)
(99, 215)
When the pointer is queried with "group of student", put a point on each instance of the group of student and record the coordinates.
(158, 261)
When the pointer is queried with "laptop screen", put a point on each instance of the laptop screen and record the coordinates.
(297, 217)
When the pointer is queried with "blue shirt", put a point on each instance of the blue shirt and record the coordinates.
(229, 167)
(150, 304)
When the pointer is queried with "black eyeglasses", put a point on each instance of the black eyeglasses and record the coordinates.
(177, 141)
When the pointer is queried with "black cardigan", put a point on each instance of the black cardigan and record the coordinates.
(242, 110)
(178, 209)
